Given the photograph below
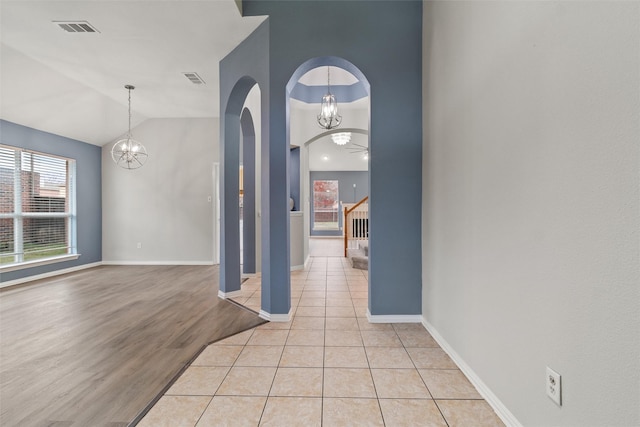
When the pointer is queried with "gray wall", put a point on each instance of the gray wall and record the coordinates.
(163, 205)
(346, 180)
(383, 40)
(531, 201)
(88, 191)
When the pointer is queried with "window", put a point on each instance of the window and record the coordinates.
(37, 207)
(325, 205)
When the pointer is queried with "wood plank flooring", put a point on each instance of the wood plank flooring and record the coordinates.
(95, 347)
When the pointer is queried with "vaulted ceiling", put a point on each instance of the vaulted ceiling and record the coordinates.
(72, 84)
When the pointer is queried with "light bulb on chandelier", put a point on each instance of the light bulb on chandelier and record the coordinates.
(129, 153)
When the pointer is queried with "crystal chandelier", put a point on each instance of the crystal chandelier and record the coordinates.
(329, 117)
(129, 153)
(341, 138)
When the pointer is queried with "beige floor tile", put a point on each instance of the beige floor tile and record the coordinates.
(469, 413)
(334, 338)
(365, 325)
(348, 382)
(176, 411)
(302, 322)
(431, 358)
(260, 355)
(247, 381)
(310, 312)
(199, 381)
(337, 286)
(360, 302)
(233, 411)
(410, 413)
(360, 295)
(381, 339)
(399, 384)
(305, 337)
(388, 357)
(416, 338)
(311, 302)
(340, 312)
(253, 302)
(342, 324)
(339, 302)
(292, 412)
(449, 384)
(301, 382)
(361, 311)
(351, 412)
(275, 325)
(409, 327)
(345, 357)
(313, 294)
(237, 339)
(268, 337)
(338, 295)
(302, 357)
(222, 355)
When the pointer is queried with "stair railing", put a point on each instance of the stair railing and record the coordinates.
(356, 223)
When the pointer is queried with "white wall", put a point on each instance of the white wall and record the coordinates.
(531, 201)
(164, 204)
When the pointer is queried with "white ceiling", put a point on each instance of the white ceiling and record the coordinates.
(73, 84)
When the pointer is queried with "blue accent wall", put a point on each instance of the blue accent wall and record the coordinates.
(88, 191)
(245, 66)
(346, 181)
(383, 39)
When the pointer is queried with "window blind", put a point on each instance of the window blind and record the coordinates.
(36, 211)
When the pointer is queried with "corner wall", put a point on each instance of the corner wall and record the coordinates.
(164, 204)
(88, 190)
(531, 201)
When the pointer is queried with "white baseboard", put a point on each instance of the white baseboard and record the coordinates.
(49, 274)
(157, 262)
(394, 318)
(501, 410)
(277, 317)
(232, 294)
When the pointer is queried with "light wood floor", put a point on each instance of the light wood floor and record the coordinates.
(95, 347)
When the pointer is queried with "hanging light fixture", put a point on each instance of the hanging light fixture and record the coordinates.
(329, 117)
(341, 138)
(129, 153)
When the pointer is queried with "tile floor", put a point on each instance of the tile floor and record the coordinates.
(327, 367)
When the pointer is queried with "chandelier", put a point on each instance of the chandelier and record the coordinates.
(129, 153)
(329, 117)
(341, 138)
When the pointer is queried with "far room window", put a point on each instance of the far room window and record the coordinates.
(37, 207)
(325, 205)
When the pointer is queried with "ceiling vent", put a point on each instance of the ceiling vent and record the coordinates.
(76, 26)
(194, 78)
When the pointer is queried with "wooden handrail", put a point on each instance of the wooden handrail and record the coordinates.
(353, 208)
(347, 211)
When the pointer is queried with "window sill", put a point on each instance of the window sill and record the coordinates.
(39, 262)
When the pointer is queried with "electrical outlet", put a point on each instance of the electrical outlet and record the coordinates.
(554, 386)
(139, 245)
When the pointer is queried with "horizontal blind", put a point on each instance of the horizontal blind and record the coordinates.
(36, 222)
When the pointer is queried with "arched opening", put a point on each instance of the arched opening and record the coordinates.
(238, 141)
(345, 167)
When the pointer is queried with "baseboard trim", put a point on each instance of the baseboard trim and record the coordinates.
(232, 294)
(49, 274)
(157, 262)
(394, 318)
(501, 410)
(276, 317)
